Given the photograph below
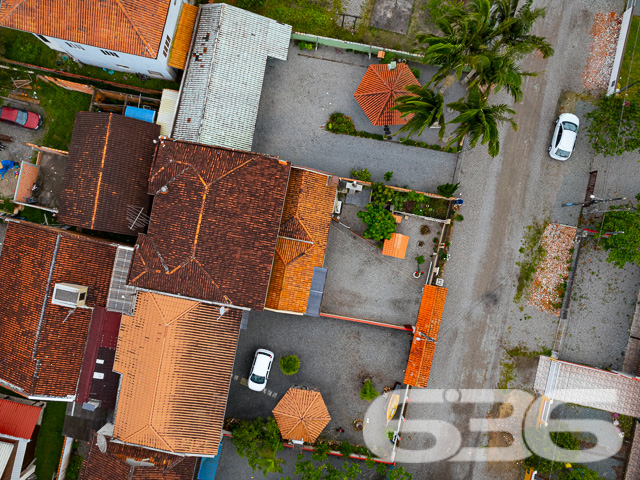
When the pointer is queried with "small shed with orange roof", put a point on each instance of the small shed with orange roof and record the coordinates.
(423, 346)
(396, 246)
(301, 415)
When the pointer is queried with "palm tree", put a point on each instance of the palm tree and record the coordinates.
(478, 120)
(485, 35)
(426, 107)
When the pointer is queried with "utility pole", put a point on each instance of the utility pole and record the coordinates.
(593, 201)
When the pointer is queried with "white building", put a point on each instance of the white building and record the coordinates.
(134, 36)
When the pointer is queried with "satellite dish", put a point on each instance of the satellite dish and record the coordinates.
(222, 311)
(101, 441)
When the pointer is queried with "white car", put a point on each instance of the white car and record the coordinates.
(564, 137)
(260, 370)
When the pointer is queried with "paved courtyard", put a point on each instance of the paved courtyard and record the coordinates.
(335, 357)
(299, 95)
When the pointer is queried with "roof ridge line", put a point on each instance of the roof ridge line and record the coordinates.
(133, 25)
(104, 154)
(20, 2)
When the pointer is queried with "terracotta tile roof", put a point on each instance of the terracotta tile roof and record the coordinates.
(301, 415)
(28, 176)
(212, 234)
(423, 345)
(111, 465)
(17, 419)
(302, 240)
(40, 343)
(396, 246)
(128, 26)
(378, 90)
(106, 179)
(182, 40)
(176, 358)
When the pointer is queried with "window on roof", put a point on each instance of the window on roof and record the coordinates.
(74, 45)
(109, 53)
(155, 74)
(167, 44)
(122, 66)
(43, 38)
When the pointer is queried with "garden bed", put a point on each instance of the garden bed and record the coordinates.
(550, 280)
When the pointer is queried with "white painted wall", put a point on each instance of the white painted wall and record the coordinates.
(124, 62)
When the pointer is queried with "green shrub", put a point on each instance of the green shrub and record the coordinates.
(362, 175)
(425, 230)
(388, 176)
(381, 194)
(458, 218)
(388, 57)
(346, 449)
(340, 123)
(289, 364)
(420, 260)
(367, 392)
(380, 222)
(448, 189)
(416, 72)
(305, 46)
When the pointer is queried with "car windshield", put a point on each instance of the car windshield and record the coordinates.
(22, 117)
(563, 153)
(572, 127)
(257, 378)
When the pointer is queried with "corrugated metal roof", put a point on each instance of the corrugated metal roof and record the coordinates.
(5, 455)
(396, 246)
(17, 419)
(223, 81)
(167, 111)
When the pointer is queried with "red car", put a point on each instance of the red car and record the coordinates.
(21, 118)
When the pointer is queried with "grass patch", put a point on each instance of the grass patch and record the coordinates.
(36, 215)
(522, 351)
(627, 70)
(626, 425)
(507, 373)
(26, 48)
(50, 440)
(61, 106)
(533, 252)
(6, 391)
(6, 205)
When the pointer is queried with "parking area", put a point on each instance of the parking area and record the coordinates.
(300, 93)
(336, 356)
(362, 283)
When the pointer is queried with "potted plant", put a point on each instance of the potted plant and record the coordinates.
(420, 260)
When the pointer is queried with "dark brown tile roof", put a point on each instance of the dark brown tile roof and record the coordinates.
(176, 359)
(41, 345)
(107, 175)
(129, 26)
(214, 223)
(111, 465)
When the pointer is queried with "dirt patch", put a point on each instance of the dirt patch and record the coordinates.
(50, 179)
(604, 40)
(549, 282)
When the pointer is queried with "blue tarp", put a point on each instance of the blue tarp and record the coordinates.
(208, 466)
(6, 166)
(140, 113)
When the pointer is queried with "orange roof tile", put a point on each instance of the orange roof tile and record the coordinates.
(28, 176)
(301, 415)
(431, 308)
(302, 240)
(182, 40)
(396, 246)
(176, 358)
(378, 90)
(423, 345)
(131, 26)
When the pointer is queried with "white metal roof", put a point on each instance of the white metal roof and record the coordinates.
(5, 455)
(167, 111)
(222, 83)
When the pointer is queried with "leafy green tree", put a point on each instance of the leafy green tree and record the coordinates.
(289, 364)
(259, 441)
(479, 121)
(624, 247)
(380, 222)
(368, 392)
(545, 464)
(614, 126)
(447, 189)
(579, 472)
(425, 107)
